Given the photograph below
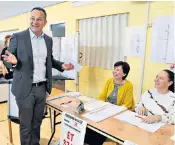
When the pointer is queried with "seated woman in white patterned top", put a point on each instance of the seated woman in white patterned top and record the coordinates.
(158, 104)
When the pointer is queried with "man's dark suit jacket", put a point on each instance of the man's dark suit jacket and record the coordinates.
(20, 46)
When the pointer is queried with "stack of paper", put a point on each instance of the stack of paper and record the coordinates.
(94, 104)
(73, 94)
(103, 112)
(85, 99)
(134, 119)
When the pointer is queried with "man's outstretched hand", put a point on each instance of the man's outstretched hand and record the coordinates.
(9, 57)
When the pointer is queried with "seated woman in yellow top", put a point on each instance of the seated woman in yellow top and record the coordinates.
(118, 90)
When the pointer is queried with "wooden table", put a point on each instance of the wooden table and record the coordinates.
(117, 130)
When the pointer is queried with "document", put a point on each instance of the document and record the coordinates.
(72, 73)
(73, 130)
(94, 104)
(173, 137)
(135, 41)
(73, 94)
(104, 112)
(127, 142)
(162, 45)
(85, 99)
(135, 119)
(77, 67)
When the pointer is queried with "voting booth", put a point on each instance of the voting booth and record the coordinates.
(13, 112)
(3, 90)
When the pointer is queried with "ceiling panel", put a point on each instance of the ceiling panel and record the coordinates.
(12, 8)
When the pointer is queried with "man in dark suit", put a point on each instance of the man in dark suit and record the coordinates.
(30, 53)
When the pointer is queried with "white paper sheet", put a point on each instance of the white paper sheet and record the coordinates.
(173, 137)
(127, 142)
(103, 112)
(130, 117)
(135, 41)
(162, 46)
(85, 99)
(73, 130)
(73, 94)
(72, 73)
(94, 104)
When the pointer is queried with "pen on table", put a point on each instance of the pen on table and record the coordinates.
(138, 116)
(66, 103)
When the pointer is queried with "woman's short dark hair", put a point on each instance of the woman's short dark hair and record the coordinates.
(40, 9)
(125, 67)
(170, 78)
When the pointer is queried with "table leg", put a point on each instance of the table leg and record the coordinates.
(54, 125)
(10, 131)
(51, 126)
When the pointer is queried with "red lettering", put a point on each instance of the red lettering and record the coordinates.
(70, 136)
(64, 142)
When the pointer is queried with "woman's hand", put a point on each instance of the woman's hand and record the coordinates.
(142, 111)
(152, 119)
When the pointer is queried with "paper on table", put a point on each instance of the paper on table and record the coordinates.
(85, 99)
(127, 142)
(173, 137)
(94, 104)
(130, 117)
(73, 94)
(103, 112)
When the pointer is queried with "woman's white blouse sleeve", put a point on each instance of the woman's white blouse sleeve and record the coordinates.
(170, 116)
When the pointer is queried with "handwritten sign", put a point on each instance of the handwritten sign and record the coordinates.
(135, 41)
(162, 45)
(72, 130)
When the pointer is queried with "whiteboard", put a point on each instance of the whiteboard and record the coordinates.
(162, 46)
(13, 111)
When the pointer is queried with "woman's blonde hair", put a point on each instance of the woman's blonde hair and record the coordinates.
(7, 38)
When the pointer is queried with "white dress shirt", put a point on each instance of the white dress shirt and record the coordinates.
(39, 51)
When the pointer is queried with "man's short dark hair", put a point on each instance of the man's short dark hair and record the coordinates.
(125, 67)
(40, 9)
